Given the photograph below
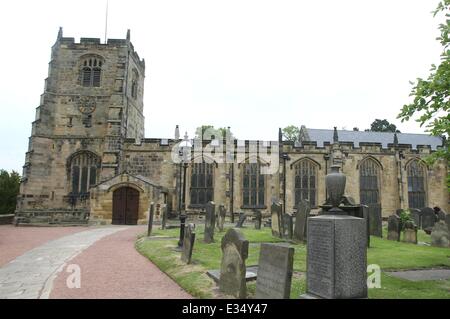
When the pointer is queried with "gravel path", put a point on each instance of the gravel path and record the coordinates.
(112, 268)
(15, 241)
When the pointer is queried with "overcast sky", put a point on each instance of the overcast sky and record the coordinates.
(252, 65)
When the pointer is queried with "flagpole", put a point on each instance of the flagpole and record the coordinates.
(106, 22)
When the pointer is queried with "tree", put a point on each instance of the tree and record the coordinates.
(431, 105)
(291, 133)
(208, 131)
(9, 189)
(383, 126)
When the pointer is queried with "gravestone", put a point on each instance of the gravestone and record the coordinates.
(301, 218)
(221, 217)
(415, 216)
(441, 215)
(410, 233)
(188, 243)
(364, 213)
(375, 220)
(440, 235)
(447, 220)
(276, 210)
(288, 226)
(394, 228)
(274, 272)
(151, 214)
(232, 270)
(336, 257)
(210, 223)
(428, 219)
(164, 217)
(241, 221)
(258, 219)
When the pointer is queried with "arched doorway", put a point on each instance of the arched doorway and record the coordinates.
(125, 206)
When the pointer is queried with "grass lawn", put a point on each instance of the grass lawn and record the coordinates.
(388, 255)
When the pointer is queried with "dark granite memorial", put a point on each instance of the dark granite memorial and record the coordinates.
(336, 249)
(274, 272)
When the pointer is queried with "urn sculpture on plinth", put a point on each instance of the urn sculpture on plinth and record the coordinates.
(335, 182)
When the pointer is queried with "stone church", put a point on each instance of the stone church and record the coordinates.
(88, 159)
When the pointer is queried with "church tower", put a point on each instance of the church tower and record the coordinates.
(92, 102)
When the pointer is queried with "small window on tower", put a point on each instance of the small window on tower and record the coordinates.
(91, 73)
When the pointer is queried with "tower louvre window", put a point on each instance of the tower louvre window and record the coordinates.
(91, 73)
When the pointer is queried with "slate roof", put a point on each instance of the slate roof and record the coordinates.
(320, 136)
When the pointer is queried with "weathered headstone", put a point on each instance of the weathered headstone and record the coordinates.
(288, 226)
(415, 216)
(336, 257)
(188, 243)
(394, 228)
(151, 214)
(440, 235)
(221, 217)
(441, 215)
(164, 217)
(274, 272)
(428, 219)
(375, 220)
(258, 219)
(364, 209)
(276, 210)
(241, 221)
(447, 220)
(301, 218)
(233, 270)
(410, 233)
(210, 222)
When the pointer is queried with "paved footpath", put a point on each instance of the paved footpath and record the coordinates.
(110, 268)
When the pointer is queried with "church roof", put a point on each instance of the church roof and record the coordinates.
(321, 136)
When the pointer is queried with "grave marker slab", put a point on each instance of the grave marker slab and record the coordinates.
(258, 219)
(375, 220)
(210, 222)
(274, 272)
(232, 271)
(276, 210)
(188, 243)
(241, 221)
(164, 217)
(416, 217)
(336, 257)
(301, 218)
(221, 218)
(394, 228)
(428, 218)
(150, 219)
(440, 235)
